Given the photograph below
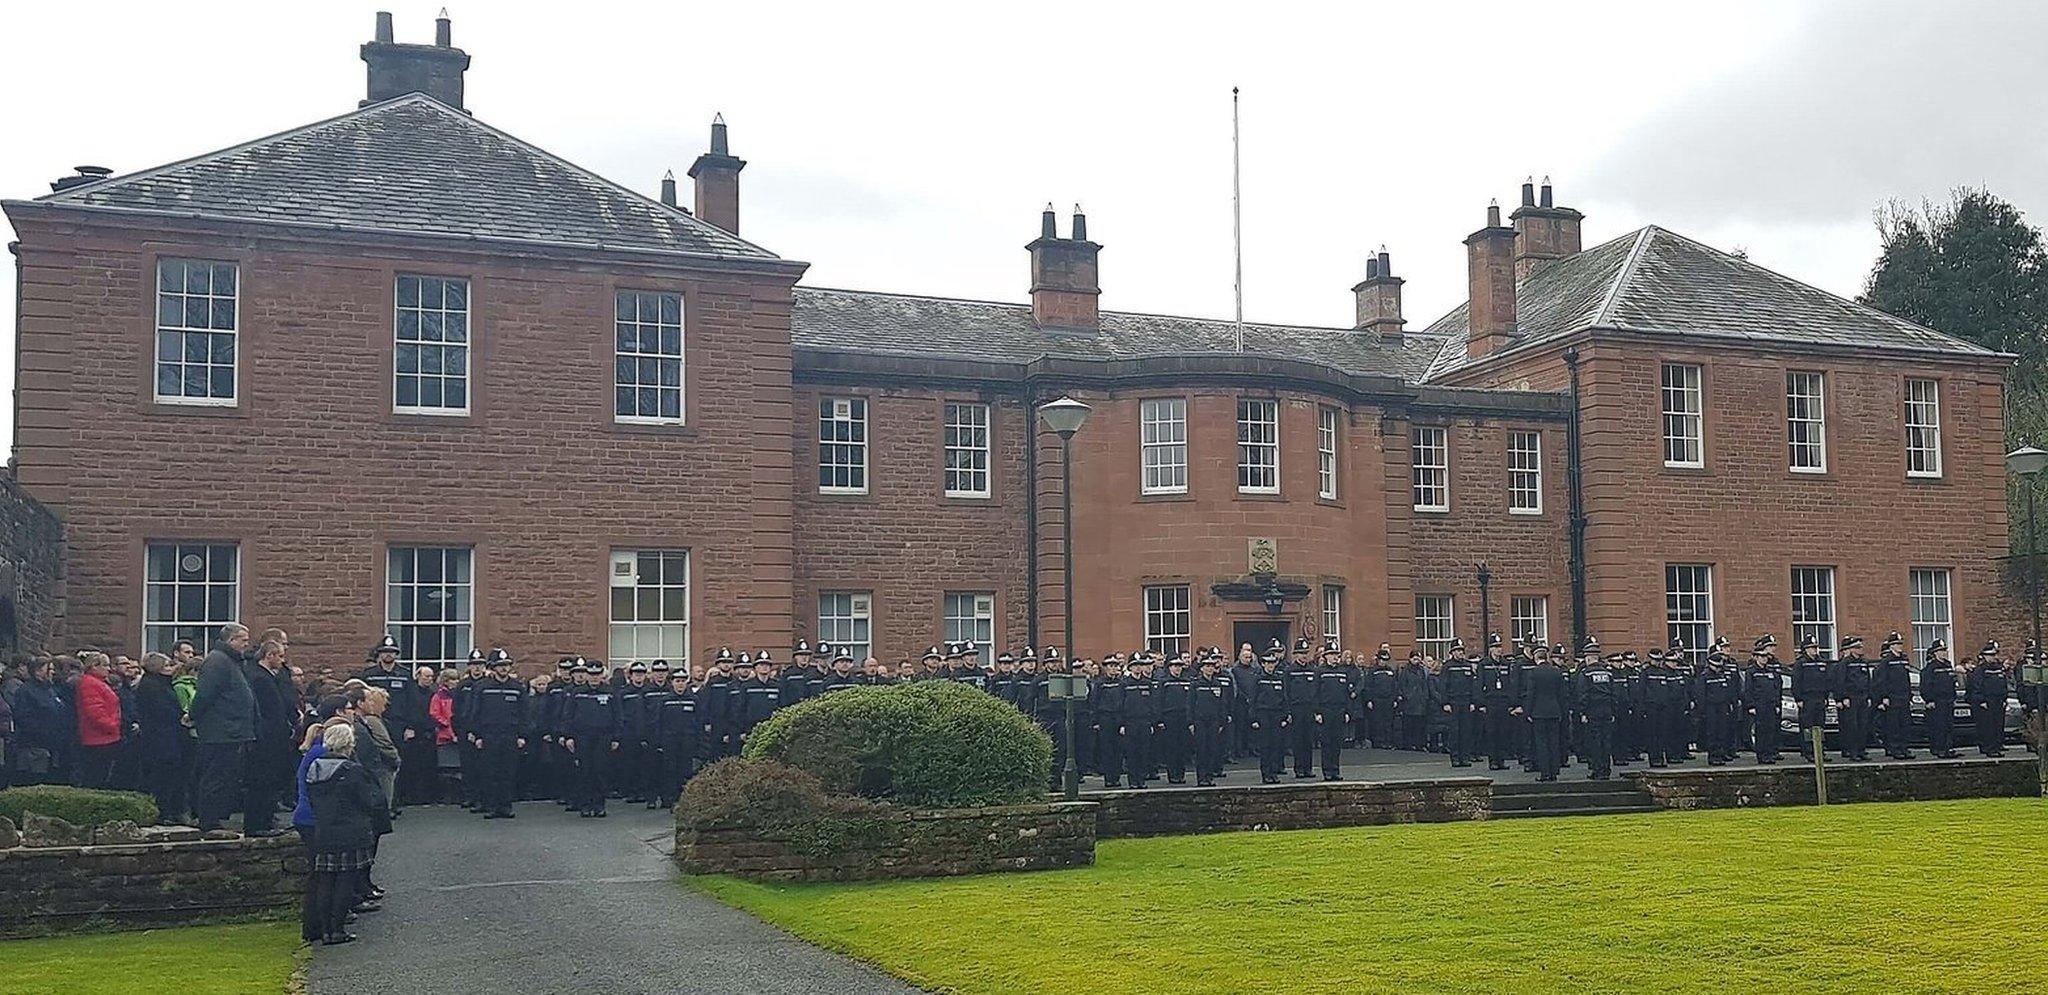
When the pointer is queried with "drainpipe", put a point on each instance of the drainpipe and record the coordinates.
(1031, 520)
(1575, 483)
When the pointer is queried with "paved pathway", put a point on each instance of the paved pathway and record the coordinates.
(552, 903)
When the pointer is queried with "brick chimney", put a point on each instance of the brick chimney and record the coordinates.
(717, 175)
(1379, 298)
(396, 70)
(1490, 269)
(1064, 280)
(1543, 231)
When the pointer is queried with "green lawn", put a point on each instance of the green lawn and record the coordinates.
(1939, 896)
(238, 959)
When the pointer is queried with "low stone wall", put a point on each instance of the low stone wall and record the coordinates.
(898, 844)
(1847, 782)
(59, 888)
(1315, 805)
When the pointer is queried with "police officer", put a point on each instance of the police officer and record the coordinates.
(1938, 689)
(817, 672)
(1497, 699)
(1628, 719)
(1763, 695)
(1894, 698)
(792, 685)
(1269, 713)
(1140, 720)
(1856, 695)
(1600, 692)
(1301, 709)
(842, 675)
(593, 736)
(1175, 699)
(1460, 698)
(558, 767)
(1086, 721)
(1333, 694)
(1211, 702)
(462, 721)
(498, 721)
(1413, 703)
(760, 693)
(679, 728)
(1108, 693)
(1377, 695)
(714, 702)
(1986, 688)
(1813, 684)
(631, 769)
(1718, 690)
(1660, 705)
(1543, 695)
(1244, 674)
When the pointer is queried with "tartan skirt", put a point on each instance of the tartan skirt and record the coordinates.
(336, 861)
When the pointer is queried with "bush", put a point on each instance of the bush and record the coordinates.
(932, 744)
(78, 806)
(744, 793)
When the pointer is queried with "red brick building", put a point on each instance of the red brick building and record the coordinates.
(425, 377)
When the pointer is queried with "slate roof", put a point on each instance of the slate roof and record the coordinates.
(944, 328)
(412, 165)
(1656, 280)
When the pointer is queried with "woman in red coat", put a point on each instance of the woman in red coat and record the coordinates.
(99, 723)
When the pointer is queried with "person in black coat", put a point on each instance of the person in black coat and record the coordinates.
(1985, 689)
(267, 769)
(1269, 716)
(223, 717)
(1412, 703)
(349, 813)
(1763, 695)
(1377, 693)
(1938, 689)
(1894, 698)
(1543, 695)
(160, 737)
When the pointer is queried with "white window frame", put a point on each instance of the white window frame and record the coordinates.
(966, 435)
(1813, 607)
(439, 312)
(1936, 597)
(659, 575)
(633, 320)
(1429, 457)
(835, 411)
(1525, 472)
(1333, 612)
(461, 592)
(1683, 403)
(846, 619)
(1258, 445)
(1923, 427)
(160, 634)
(1163, 445)
(1806, 421)
(1436, 624)
(1689, 606)
(1169, 618)
(1529, 615)
(1327, 437)
(970, 616)
(181, 329)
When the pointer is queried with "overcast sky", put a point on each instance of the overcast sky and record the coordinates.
(909, 147)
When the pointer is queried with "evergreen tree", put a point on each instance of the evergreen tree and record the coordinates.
(1975, 268)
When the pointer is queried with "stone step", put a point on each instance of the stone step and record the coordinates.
(1583, 810)
(1581, 786)
(1555, 801)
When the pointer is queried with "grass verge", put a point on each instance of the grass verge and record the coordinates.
(250, 958)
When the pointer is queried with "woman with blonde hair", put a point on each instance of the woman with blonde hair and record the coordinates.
(380, 754)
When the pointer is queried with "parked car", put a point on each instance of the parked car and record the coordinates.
(1965, 725)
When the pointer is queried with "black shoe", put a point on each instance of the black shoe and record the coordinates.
(333, 939)
(506, 814)
(368, 906)
(1302, 775)
(600, 813)
(375, 894)
(585, 814)
(1333, 777)
(1205, 784)
(492, 815)
(1177, 780)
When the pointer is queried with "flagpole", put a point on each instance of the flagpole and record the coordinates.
(1237, 217)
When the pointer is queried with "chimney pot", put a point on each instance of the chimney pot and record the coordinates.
(1493, 214)
(1545, 201)
(668, 188)
(1372, 267)
(384, 26)
(717, 177)
(443, 32)
(1386, 266)
(1529, 192)
(1065, 281)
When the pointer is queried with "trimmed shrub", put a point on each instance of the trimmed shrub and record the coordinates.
(738, 792)
(932, 744)
(78, 806)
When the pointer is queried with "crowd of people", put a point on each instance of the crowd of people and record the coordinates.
(241, 732)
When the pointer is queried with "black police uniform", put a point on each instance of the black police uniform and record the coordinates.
(1377, 693)
(1461, 695)
(633, 768)
(1497, 693)
(592, 725)
(1176, 732)
(1986, 689)
(1938, 689)
(1895, 703)
(1600, 694)
(1108, 694)
(680, 728)
(1269, 712)
(1211, 701)
(1813, 683)
(1412, 705)
(1333, 703)
(1763, 697)
(1301, 715)
(1856, 691)
(499, 721)
(1718, 689)
(1140, 721)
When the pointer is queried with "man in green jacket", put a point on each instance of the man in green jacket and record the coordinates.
(224, 722)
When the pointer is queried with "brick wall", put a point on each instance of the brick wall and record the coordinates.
(313, 476)
(1751, 518)
(1291, 806)
(1756, 787)
(898, 843)
(132, 885)
(31, 570)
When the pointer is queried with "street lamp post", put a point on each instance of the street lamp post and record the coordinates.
(1065, 417)
(1068, 688)
(2026, 463)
